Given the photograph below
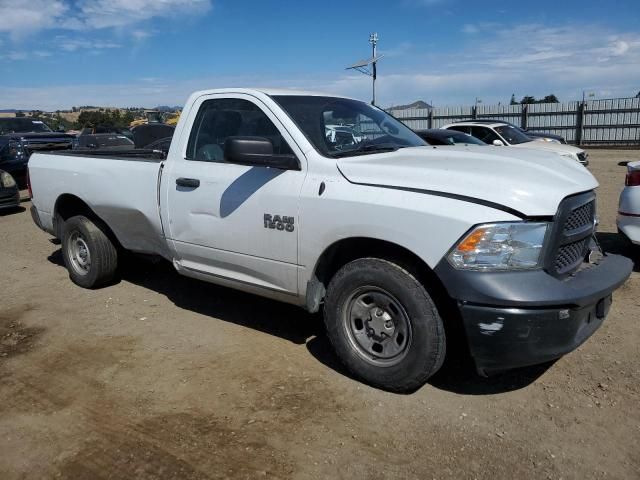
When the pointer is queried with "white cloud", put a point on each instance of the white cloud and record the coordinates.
(470, 28)
(119, 13)
(74, 44)
(22, 17)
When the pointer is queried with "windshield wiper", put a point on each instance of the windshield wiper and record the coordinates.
(369, 148)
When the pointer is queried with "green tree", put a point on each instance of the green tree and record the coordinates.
(550, 99)
(513, 100)
(528, 99)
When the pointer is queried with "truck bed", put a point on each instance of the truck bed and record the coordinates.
(120, 187)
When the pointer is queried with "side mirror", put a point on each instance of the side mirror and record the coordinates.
(60, 130)
(257, 152)
(498, 143)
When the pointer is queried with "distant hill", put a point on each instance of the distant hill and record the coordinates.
(416, 104)
(165, 108)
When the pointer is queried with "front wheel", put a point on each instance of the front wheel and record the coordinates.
(89, 255)
(383, 325)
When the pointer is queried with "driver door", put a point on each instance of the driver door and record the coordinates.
(230, 221)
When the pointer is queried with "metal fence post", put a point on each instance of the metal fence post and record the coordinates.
(430, 118)
(524, 117)
(474, 112)
(580, 122)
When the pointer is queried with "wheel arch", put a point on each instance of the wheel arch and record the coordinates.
(68, 205)
(346, 250)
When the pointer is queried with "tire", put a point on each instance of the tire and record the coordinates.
(383, 325)
(89, 255)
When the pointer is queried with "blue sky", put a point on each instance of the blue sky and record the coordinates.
(59, 53)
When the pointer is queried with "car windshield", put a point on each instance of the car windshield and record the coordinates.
(459, 138)
(512, 135)
(340, 127)
(22, 125)
(104, 140)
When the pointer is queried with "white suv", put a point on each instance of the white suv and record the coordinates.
(500, 134)
(629, 207)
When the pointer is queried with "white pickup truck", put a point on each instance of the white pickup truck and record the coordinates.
(395, 240)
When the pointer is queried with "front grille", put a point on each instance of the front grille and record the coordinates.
(46, 145)
(569, 255)
(580, 217)
(573, 229)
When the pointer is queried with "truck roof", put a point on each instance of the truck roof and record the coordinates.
(267, 91)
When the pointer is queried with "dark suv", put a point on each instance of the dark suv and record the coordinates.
(20, 137)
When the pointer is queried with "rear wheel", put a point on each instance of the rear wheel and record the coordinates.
(89, 255)
(383, 325)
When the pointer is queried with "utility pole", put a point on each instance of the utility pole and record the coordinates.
(373, 40)
(369, 67)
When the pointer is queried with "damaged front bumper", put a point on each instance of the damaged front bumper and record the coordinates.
(515, 319)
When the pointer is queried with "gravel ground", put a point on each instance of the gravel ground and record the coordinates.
(160, 376)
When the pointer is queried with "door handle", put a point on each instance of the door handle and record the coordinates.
(188, 182)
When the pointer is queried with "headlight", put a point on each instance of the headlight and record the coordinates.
(6, 180)
(15, 149)
(500, 246)
(572, 156)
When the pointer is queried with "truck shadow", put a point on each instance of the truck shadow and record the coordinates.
(616, 243)
(295, 325)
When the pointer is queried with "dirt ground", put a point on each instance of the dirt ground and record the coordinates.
(161, 376)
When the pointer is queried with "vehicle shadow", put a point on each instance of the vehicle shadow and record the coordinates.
(618, 244)
(11, 211)
(268, 316)
(295, 325)
(457, 375)
(244, 186)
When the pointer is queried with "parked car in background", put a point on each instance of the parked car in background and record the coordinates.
(9, 193)
(440, 136)
(629, 206)
(390, 238)
(341, 135)
(501, 134)
(103, 141)
(20, 137)
(102, 129)
(549, 137)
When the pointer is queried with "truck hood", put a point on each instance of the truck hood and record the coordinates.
(530, 182)
(560, 148)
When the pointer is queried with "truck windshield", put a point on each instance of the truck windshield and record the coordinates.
(22, 125)
(340, 127)
(513, 135)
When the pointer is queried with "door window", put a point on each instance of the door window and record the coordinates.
(219, 119)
